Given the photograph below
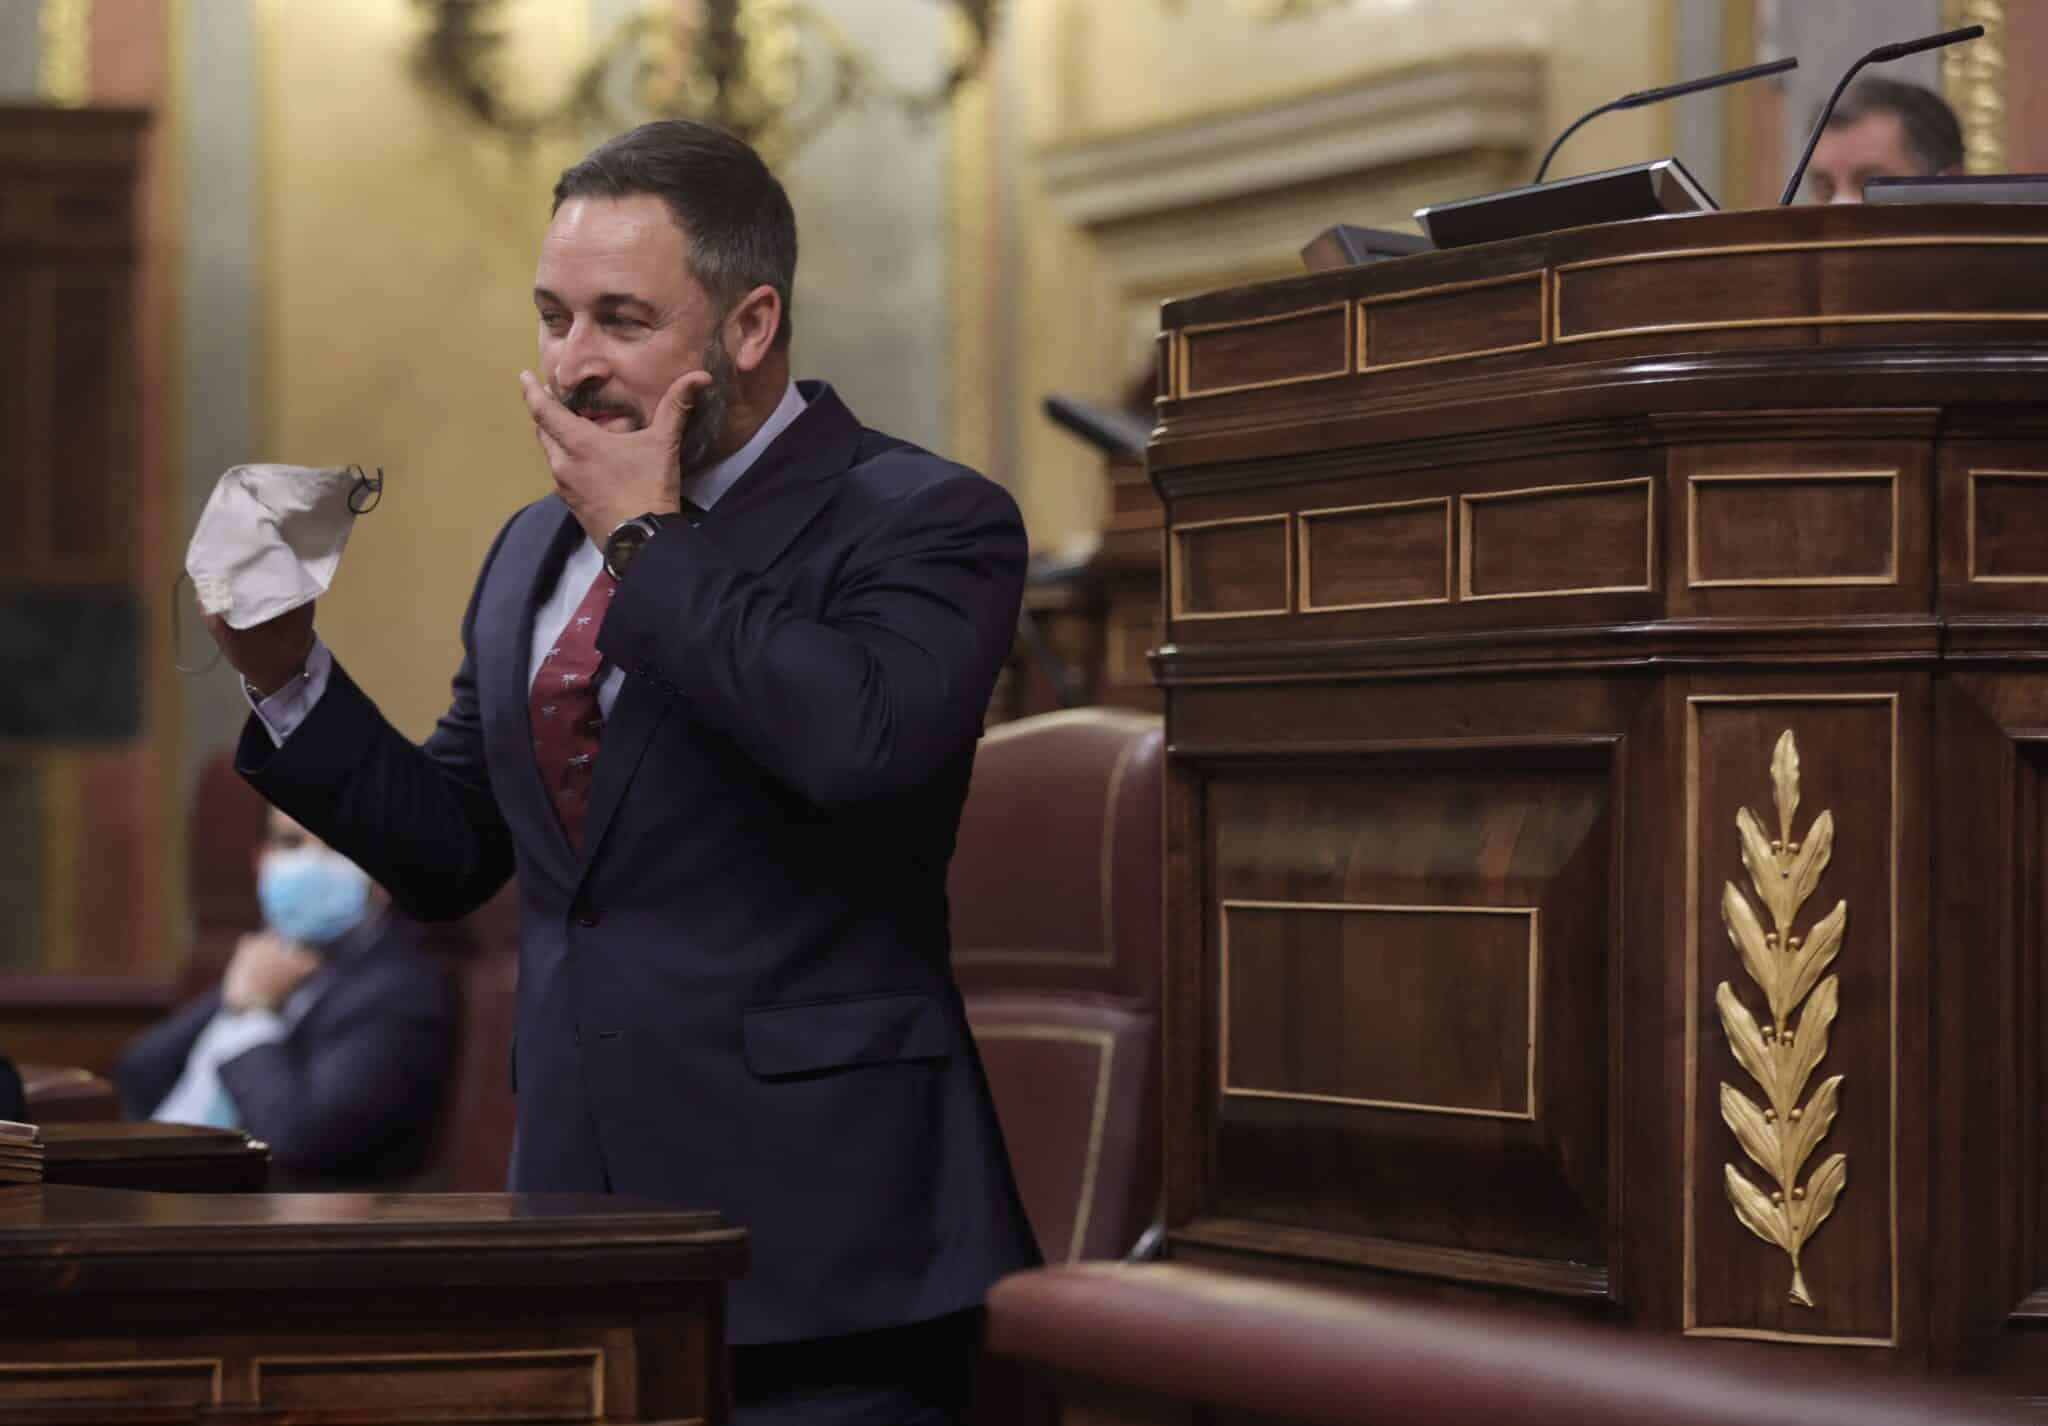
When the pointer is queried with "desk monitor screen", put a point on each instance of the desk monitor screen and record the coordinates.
(1614, 195)
(1960, 188)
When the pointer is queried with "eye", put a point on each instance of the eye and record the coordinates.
(624, 323)
(556, 322)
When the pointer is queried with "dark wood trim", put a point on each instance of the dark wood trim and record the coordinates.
(1266, 1240)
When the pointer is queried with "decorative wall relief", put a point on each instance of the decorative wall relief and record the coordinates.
(1781, 1056)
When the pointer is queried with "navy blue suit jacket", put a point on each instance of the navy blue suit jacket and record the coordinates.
(352, 1093)
(738, 993)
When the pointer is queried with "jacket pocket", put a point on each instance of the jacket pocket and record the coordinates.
(821, 1035)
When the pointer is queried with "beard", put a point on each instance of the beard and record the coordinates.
(696, 444)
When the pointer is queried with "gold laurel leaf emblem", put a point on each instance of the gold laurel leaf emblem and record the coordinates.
(1781, 1056)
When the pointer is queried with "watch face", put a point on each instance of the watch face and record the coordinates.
(622, 546)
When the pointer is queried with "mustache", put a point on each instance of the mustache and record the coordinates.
(588, 401)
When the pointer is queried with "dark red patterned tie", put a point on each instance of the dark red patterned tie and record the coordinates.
(563, 706)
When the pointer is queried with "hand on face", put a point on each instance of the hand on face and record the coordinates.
(265, 970)
(608, 477)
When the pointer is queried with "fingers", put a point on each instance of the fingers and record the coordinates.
(549, 447)
(678, 401)
(549, 414)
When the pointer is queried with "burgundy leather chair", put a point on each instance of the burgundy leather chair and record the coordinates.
(1055, 893)
(1162, 1342)
(224, 833)
(473, 1146)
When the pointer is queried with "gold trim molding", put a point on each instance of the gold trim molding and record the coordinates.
(1183, 379)
(341, 1363)
(1098, 1112)
(1973, 81)
(1781, 1056)
(1304, 518)
(1970, 537)
(1530, 1110)
(1695, 580)
(1465, 538)
(1177, 574)
(1363, 363)
(1948, 246)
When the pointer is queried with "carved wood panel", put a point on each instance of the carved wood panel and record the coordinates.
(1413, 953)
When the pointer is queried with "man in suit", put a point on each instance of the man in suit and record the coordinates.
(718, 705)
(328, 1038)
(1883, 128)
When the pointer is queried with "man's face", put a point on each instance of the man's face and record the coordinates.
(1848, 155)
(621, 318)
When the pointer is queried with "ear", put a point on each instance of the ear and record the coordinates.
(751, 326)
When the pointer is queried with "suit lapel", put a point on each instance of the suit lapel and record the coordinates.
(533, 558)
(756, 521)
(773, 503)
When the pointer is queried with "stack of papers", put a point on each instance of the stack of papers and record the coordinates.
(21, 1153)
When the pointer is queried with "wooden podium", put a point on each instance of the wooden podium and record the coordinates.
(359, 1309)
(1607, 710)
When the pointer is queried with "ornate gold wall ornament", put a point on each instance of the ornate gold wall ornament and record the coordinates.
(1779, 1138)
(774, 72)
(1274, 9)
(1974, 83)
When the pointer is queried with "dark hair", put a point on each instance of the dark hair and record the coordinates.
(1932, 132)
(741, 229)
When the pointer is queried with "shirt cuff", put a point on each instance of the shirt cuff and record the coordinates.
(236, 1032)
(283, 711)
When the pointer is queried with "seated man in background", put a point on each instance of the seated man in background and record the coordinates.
(329, 1037)
(1883, 129)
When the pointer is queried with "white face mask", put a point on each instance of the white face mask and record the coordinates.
(270, 538)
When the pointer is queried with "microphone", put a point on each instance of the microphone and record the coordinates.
(1669, 91)
(1883, 54)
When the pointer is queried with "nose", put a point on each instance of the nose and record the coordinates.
(578, 356)
(1846, 195)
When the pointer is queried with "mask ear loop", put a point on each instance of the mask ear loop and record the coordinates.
(178, 634)
(368, 491)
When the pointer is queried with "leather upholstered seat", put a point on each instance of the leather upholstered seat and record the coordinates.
(1056, 914)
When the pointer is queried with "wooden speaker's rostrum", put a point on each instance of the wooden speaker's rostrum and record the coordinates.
(1608, 736)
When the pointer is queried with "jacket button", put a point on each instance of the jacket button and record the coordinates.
(589, 916)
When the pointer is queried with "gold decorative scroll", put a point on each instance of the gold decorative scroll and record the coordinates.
(1781, 1056)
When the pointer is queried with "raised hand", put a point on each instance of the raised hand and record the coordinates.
(265, 970)
(267, 655)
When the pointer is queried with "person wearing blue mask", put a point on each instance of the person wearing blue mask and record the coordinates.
(329, 1036)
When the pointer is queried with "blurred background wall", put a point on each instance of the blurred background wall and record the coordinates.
(336, 263)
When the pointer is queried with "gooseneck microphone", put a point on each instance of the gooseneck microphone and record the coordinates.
(1669, 91)
(1883, 54)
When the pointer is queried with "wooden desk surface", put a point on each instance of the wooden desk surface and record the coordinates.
(77, 1240)
(364, 1307)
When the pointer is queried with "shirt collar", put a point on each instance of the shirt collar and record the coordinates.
(706, 487)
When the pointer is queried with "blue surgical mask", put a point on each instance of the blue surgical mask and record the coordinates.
(311, 895)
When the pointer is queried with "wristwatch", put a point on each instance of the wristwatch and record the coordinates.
(625, 541)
